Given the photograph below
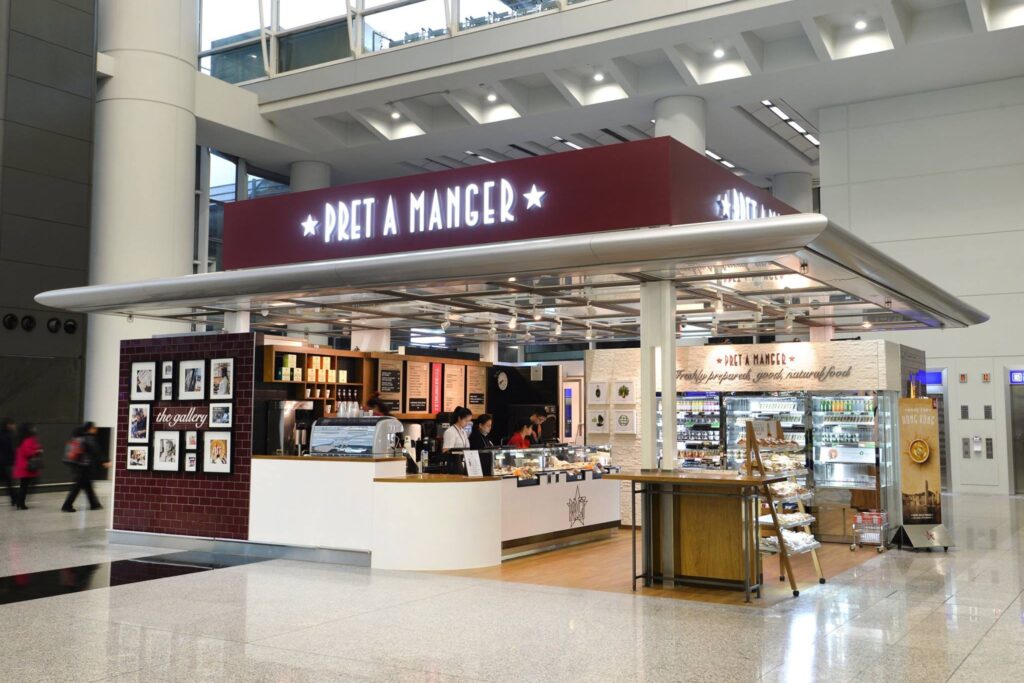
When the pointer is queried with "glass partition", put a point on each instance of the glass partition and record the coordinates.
(313, 46)
(404, 24)
(227, 22)
(295, 13)
(474, 13)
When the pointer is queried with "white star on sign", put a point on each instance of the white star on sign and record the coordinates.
(533, 197)
(309, 226)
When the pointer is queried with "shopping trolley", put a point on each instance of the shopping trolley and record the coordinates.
(871, 528)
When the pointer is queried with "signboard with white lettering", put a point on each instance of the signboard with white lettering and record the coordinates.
(180, 419)
(389, 382)
(796, 366)
(454, 386)
(616, 187)
(417, 387)
(476, 388)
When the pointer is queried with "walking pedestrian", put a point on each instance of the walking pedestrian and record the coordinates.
(28, 462)
(83, 456)
(7, 436)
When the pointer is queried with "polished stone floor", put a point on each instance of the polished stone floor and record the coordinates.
(899, 617)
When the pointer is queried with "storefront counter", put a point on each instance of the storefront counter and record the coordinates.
(317, 502)
(426, 521)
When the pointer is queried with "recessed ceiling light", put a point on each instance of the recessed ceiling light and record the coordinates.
(778, 112)
(487, 159)
(599, 76)
(866, 324)
(395, 115)
(813, 140)
(712, 155)
(718, 53)
(567, 143)
(766, 103)
(491, 97)
(860, 24)
(728, 164)
(797, 127)
(512, 279)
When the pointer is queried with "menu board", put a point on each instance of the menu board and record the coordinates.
(436, 383)
(476, 388)
(389, 382)
(417, 387)
(454, 386)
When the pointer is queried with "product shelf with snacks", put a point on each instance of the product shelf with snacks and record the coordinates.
(698, 423)
(328, 377)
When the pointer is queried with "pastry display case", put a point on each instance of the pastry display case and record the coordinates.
(529, 465)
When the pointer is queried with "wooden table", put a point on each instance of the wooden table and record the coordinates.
(699, 527)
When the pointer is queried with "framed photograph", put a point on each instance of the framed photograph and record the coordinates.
(192, 380)
(191, 441)
(167, 391)
(220, 415)
(624, 392)
(138, 423)
(191, 462)
(217, 452)
(167, 369)
(138, 457)
(143, 382)
(222, 378)
(166, 451)
(624, 422)
(597, 392)
(597, 421)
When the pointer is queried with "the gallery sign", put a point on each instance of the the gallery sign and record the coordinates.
(797, 366)
(616, 187)
(177, 419)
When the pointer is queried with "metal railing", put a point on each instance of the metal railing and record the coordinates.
(270, 50)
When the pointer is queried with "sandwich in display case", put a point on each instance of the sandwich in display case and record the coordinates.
(789, 409)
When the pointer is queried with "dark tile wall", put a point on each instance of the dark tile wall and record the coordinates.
(187, 503)
(47, 100)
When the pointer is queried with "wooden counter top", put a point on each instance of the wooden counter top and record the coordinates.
(695, 477)
(319, 458)
(433, 479)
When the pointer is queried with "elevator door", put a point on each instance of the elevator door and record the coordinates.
(1017, 420)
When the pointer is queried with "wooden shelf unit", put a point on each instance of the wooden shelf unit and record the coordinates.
(355, 363)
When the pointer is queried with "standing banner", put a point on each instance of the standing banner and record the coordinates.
(920, 482)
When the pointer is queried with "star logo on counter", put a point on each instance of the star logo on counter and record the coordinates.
(533, 197)
(577, 509)
(309, 226)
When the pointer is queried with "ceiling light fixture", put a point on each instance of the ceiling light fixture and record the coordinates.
(720, 305)
(712, 155)
(558, 328)
(567, 143)
(728, 164)
(513, 322)
(492, 332)
(759, 314)
(265, 312)
(591, 310)
(590, 332)
(860, 24)
(866, 324)
(599, 76)
(789, 322)
(537, 315)
(813, 140)
(778, 112)
(512, 279)
(445, 325)
(491, 97)
(395, 114)
(718, 53)
(767, 103)
(797, 127)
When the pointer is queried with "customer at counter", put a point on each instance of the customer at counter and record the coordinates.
(521, 437)
(479, 438)
(455, 436)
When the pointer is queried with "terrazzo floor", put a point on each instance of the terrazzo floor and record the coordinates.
(899, 617)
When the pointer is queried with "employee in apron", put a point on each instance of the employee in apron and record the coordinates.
(455, 436)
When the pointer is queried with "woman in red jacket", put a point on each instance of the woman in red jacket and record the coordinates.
(520, 438)
(28, 448)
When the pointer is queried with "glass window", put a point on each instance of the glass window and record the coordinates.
(315, 46)
(301, 12)
(265, 187)
(404, 25)
(236, 65)
(222, 190)
(225, 22)
(473, 13)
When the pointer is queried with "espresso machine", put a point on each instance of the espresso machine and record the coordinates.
(288, 425)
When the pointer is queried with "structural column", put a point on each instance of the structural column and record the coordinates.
(143, 202)
(310, 175)
(682, 117)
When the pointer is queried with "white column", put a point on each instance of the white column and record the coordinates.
(309, 175)
(657, 370)
(236, 322)
(489, 351)
(794, 189)
(372, 339)
(683, 118)
(144, 159)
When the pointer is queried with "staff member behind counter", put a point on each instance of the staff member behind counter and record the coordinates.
(479, 438)
(536, 433)
(455, 436)
(521, 436)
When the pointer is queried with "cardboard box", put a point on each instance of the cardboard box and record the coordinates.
(314, 362)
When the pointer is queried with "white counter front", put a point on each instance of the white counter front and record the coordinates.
(556, 506)
(316, 502)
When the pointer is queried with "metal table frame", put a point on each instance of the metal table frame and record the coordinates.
(750, 497)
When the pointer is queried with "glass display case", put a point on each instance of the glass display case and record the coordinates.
(528, 464)
(788, 408)
(852, 441)
(698, 427)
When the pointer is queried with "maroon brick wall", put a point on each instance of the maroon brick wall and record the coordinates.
(187, 503)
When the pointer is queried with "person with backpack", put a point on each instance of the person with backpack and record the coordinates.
(7, 435)
(28, 462)
(82, 454)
